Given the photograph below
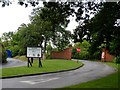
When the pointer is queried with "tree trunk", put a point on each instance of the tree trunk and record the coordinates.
(44, 57)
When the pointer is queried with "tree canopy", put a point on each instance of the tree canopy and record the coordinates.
(97, 24)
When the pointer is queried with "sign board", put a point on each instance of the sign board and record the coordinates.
(78, 49)
(34, 52)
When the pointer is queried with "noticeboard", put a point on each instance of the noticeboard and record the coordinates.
(34, 52)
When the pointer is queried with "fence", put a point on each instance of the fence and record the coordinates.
(66, 54)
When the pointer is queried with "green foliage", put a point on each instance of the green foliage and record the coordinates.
(96, 55)
(3, 54)
(15, 50)
(48, 49)
(103, 30)
(117, 59)
(51, 21)
(83, 54)
(62, 40)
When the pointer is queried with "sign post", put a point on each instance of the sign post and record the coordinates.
(78, 50)
(34, 52)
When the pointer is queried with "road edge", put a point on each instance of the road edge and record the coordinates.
(41, 73)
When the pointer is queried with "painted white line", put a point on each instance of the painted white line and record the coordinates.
(49, 80)
(28, 82)
(38, 81)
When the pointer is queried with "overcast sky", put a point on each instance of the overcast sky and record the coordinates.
(11, 17)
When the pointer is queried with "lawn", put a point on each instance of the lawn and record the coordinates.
(110, 81)
(48, 66)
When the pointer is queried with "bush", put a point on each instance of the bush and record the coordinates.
(117, 59)
(48, 56)
(3, 54)
(15, 50)
(96, 55)
(76, 56)
(83, 54)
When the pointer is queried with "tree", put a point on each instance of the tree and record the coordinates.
(83, 16)
(7, 37)
(27, 35)
(20, 2)
(103, 30)
(51, 21)
(49, 48)
(62, 40)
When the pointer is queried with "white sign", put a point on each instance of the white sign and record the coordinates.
(34, 52)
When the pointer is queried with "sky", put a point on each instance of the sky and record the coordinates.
(11, 17)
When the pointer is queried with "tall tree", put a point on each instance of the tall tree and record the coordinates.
(51, 20)
(83, 16)
(102, 27)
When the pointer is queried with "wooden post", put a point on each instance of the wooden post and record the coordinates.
(32, 59)
(40, 64)
(29, 62)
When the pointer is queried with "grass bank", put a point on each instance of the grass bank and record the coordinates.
(48, 66)
(110, 81)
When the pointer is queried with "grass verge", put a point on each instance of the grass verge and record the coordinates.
(48, 66)
(110, 81)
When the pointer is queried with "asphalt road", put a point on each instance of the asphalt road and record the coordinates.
(90, 71)
(13, 63)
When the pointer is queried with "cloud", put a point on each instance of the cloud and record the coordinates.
(11, 17)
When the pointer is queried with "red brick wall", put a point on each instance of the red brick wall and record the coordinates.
(107, 57)
(66, 54)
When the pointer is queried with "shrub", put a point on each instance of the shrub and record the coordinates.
(117, 59)
(48, 56)
(83, 54)
(3, 54)
(96, 55)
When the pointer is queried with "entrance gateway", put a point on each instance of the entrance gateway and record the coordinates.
(34, 52)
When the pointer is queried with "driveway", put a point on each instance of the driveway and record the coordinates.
(90, 71)
(13, 63)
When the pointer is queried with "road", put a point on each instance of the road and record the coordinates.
(13, 63)
(90, 71)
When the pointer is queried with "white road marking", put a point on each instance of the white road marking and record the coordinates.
(29, 82)
(38, 81)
